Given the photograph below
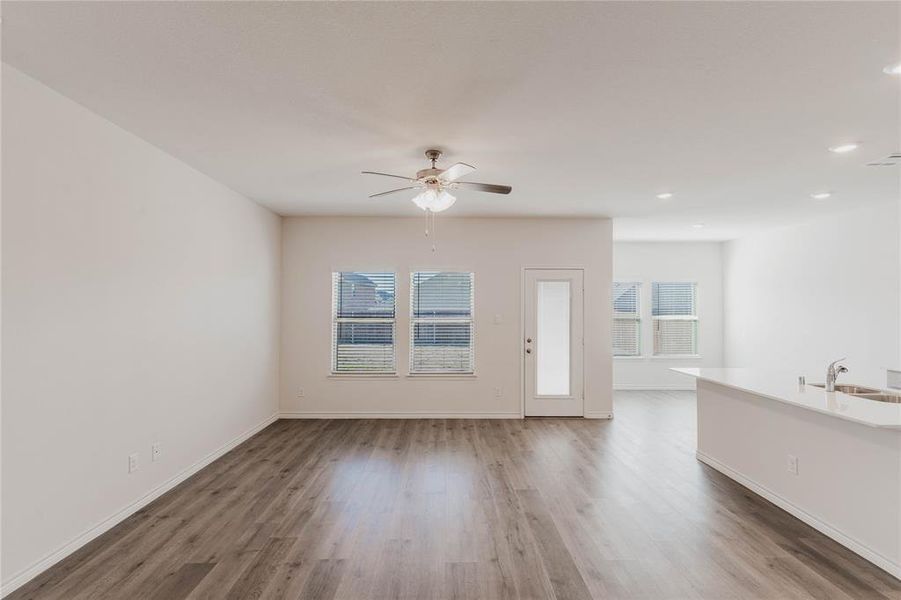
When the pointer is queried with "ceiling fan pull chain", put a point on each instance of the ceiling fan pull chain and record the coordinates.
(434, 231)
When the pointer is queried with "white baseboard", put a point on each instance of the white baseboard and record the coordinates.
(303, 414)
(598, 415)
(352, 414)
(27, 574)
(662, 388)
(848, 542)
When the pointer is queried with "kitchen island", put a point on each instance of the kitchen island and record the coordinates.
(831, 459)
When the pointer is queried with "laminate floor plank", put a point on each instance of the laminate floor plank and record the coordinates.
(441, 509)
(182, 582)
(324, 579)
(558, 562)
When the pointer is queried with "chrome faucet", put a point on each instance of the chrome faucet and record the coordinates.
(832, 372)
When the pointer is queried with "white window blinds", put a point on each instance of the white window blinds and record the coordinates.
(674, 311)
(363, 322)
(626, 318)
(441, 322)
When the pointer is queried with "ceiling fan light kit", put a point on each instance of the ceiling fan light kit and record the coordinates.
(434, 201)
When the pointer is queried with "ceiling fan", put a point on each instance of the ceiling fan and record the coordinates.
(434, 184)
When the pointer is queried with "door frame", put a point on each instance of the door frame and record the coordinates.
(522, 329)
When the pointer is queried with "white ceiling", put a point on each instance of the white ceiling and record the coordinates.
(584, 108)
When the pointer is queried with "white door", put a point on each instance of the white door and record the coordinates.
(552, 343)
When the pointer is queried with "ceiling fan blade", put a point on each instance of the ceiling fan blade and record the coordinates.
(388, 175)
(487, 187)
(412, 187)
(456, 171)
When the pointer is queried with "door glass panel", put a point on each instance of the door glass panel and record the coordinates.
(552, 339)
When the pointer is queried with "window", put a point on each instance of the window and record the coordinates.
(626, 318)
(441, 322)
(363, 320)
(674, 310)
(553, 325)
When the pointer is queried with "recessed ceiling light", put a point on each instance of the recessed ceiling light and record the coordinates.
(894, 69)
(843, 148)
(698, 226)
(665, 196)
(821, 195)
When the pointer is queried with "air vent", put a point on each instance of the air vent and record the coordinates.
(892, 160)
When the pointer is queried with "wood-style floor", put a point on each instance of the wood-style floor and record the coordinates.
(429, 509)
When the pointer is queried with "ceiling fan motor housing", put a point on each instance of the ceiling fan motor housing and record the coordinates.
(428, 174)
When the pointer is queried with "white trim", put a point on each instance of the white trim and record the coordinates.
(598, 415)
(520, 343)
(334, 320)
(658, 357)
(441, 376)
(522, 332)
(358, 414)
(695, 317)
(412, 321)
(855, 546)
(663, 388)
(29, 573)
(362, 376)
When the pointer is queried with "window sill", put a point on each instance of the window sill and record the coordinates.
(440, 376)
(660, 357)
(362, 376)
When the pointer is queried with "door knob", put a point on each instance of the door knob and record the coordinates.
(528, 350)
(528, 340)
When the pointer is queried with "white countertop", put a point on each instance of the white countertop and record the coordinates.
(783, 387)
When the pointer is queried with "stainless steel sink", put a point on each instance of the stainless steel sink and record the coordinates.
(850, 388)
(867, 393)
(893, 398)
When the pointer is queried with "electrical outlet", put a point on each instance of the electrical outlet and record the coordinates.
(300, 393)
(132, 463)
(156, 452)
(791, 464)
(497, 319)
(498, 392)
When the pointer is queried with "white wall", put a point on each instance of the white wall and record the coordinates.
(647, 262)
(496, 250)
(140, 305)
(799, 297)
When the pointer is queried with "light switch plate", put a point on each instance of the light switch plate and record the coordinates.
(791, 464)
(893, 379)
